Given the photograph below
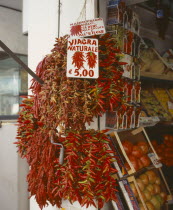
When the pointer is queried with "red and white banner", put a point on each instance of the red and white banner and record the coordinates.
(82, 58)
(87, 28)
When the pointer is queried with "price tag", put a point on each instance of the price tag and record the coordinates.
(154, 160)
(87, 28)
(82, 58)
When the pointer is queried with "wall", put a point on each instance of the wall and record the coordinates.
(11, 30)
(13, 194)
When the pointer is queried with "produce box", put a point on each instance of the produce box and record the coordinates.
(135, 148)
(120, 203)
(164, 149)
(129, 196)
(119, 163)
(170, 93)
(153, 188)
(135, 189)
(164, 99)
(152, 106)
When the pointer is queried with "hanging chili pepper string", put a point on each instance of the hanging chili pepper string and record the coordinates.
(70, 103)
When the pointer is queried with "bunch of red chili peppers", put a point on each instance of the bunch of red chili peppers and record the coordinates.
(86, 175)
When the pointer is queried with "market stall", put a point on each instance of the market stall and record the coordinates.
(95, 73)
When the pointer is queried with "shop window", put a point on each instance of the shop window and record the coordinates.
(13, 84)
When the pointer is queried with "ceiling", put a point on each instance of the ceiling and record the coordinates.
(14, 4)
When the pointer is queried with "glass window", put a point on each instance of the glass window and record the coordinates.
(13, 84)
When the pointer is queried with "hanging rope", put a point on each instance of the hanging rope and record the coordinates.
(82, 15)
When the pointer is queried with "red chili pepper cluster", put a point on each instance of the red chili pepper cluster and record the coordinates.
(86, 175)
(26, 125)
(78, 59)
(70, 103)
(76, 30)
(91, 59)
(90, 176)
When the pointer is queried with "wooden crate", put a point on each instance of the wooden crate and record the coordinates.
(169, 198)
(134, 136)
(163, 186)
(132, 180)
(129, 196)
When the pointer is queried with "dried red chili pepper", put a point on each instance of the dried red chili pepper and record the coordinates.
(76, 30)
(91, 59)
(82, 177)
(78, 59)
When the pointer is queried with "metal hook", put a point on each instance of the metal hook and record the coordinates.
(61, 156)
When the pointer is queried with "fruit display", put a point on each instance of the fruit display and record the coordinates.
(163, 98)
(137, 154)
(148, 185)
(137, 194)
(165, 149)
(151, 189)
(134, 148)
(171, 91)
(152, 105)
(129, 196)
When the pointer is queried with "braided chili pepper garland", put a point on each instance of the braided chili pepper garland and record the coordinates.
(78, 59)
(76, 30)
(86, 175)
(91, 59)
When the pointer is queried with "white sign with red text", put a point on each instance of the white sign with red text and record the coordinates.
(82, 58)
(155, 160)
(87, 28)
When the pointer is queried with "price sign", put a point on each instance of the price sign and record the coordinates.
(87, 28)
(82, 58)
(154, 160)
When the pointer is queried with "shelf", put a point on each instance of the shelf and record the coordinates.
(155, 76)
(137, 172)
(166, 123)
